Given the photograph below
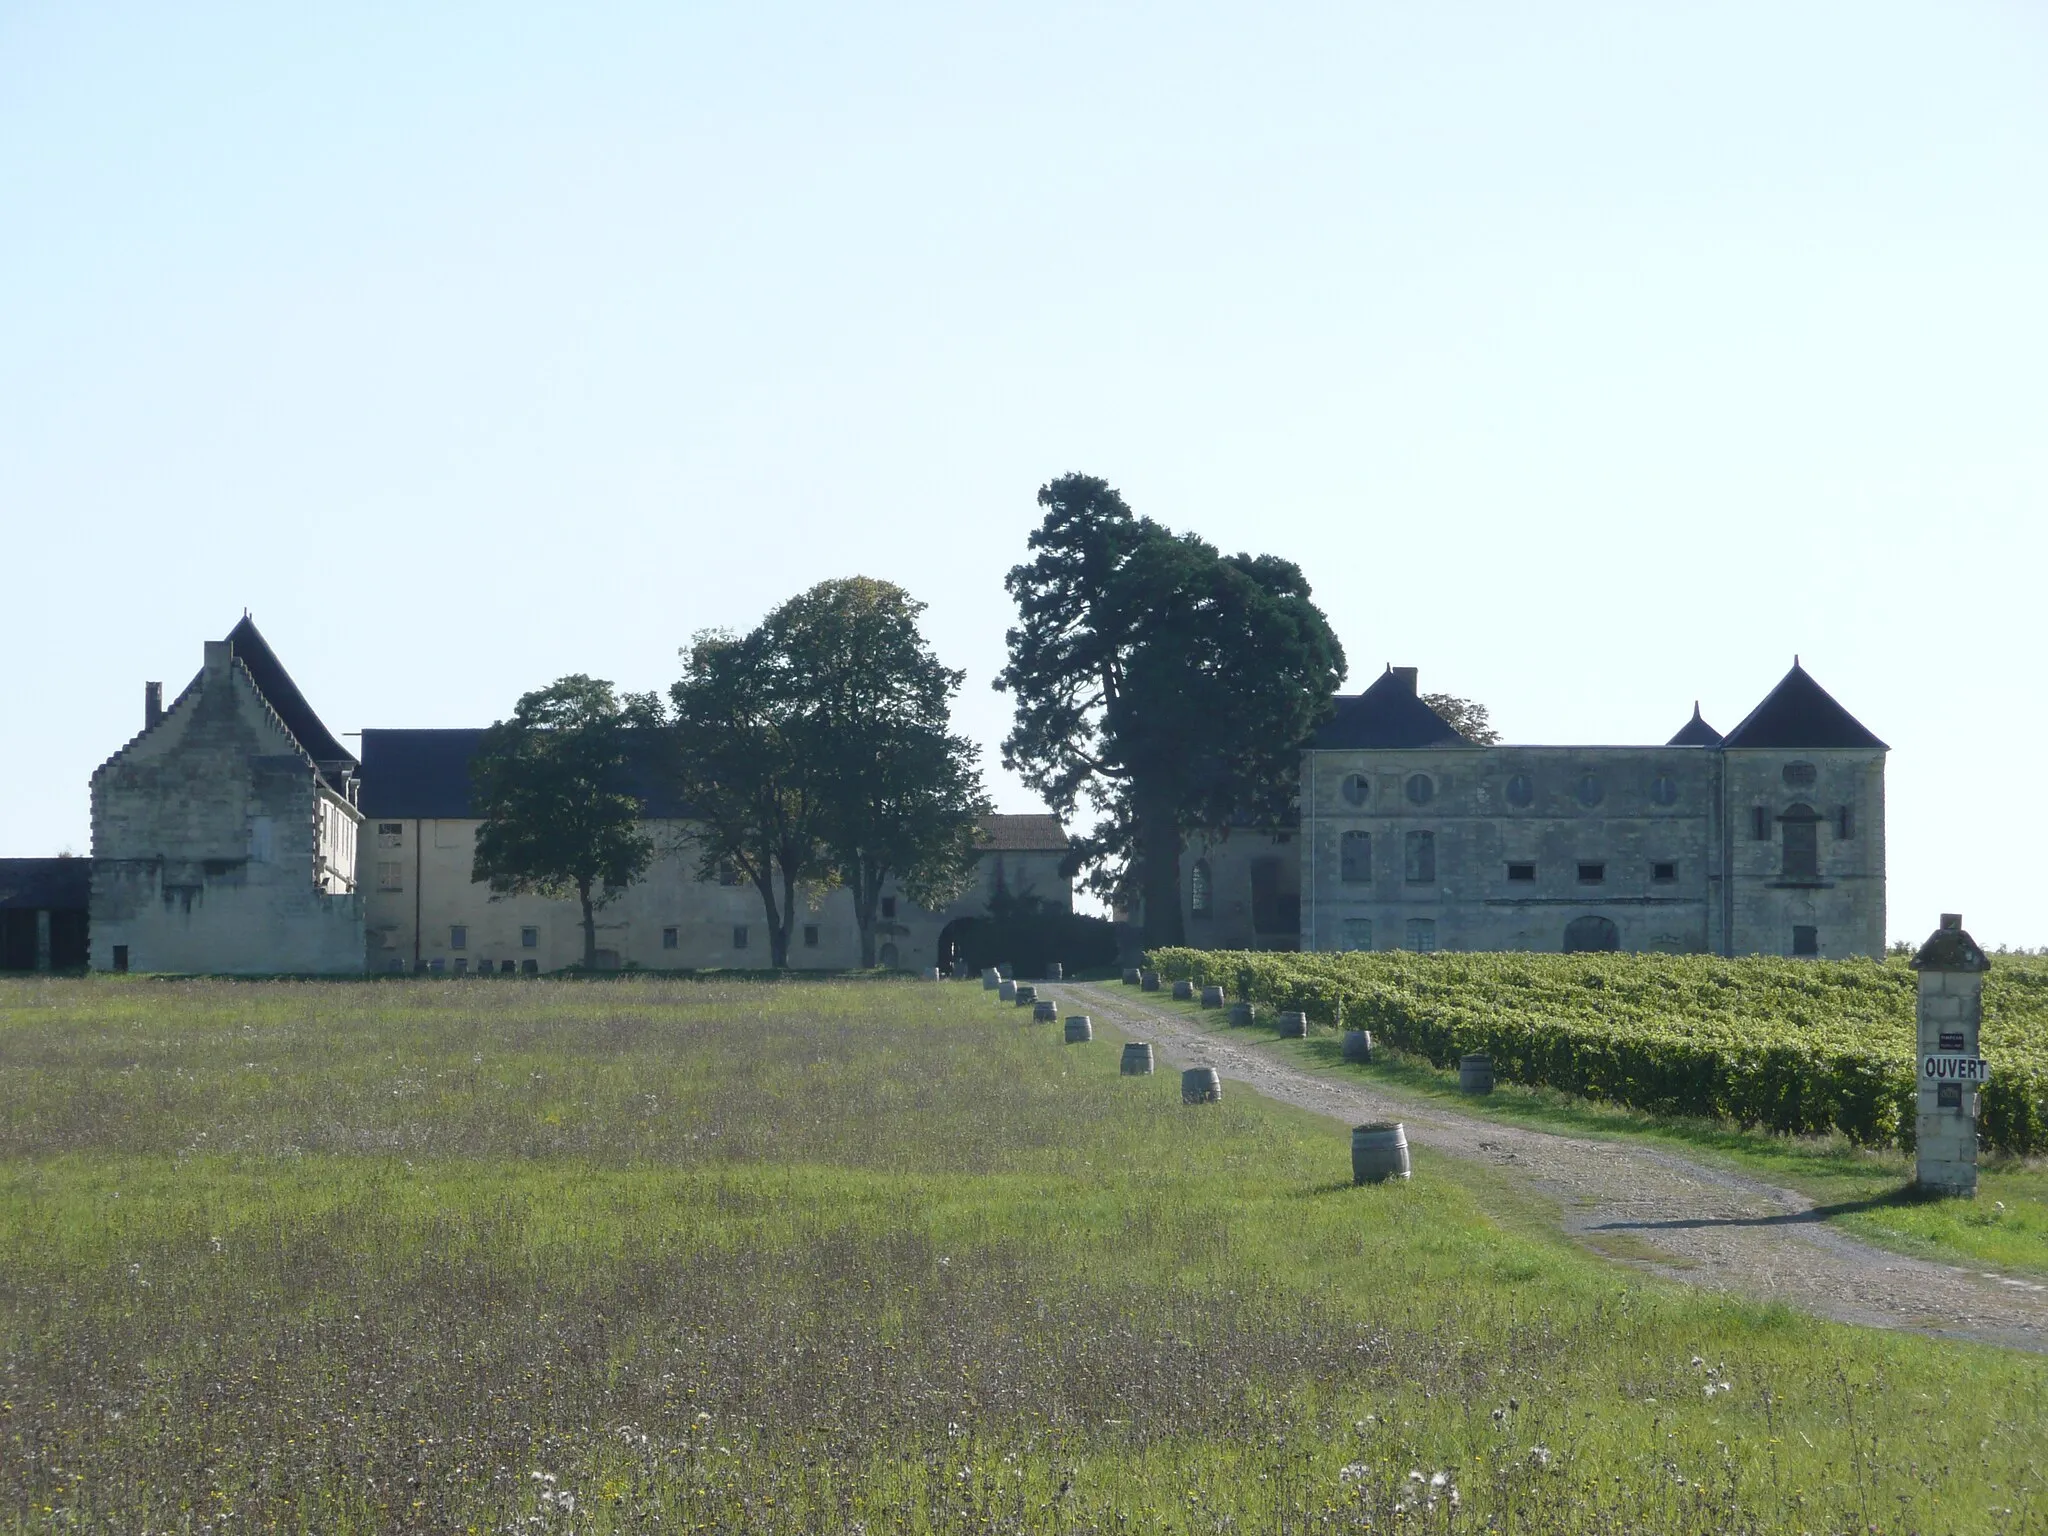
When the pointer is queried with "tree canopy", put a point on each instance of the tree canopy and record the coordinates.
(550, 787)
(1171, 685)
(1467, 717)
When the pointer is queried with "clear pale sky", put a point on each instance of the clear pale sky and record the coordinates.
(1591, 358)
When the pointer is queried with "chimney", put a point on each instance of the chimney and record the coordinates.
(1405, 676)
(220, 655)
(152, 705)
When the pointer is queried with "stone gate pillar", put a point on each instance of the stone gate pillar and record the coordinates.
(1950, 1070)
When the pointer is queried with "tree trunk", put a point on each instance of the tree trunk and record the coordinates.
(589, 926)
(778, 932)
(867, 894)
(1159, 873)
(778, 940)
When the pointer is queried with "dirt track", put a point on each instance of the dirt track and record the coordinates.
(1647, 1207)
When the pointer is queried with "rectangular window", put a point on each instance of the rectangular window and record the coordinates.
(530, 967)
(1664, 874)
(461, 966)
(1420, 858)
(1355, 858)
(1592, 874)
(505, 968)
(1845, 822)
(120, 957)
(529, 938)
(458, 937)
(739, 936)
(1274, 910)
(1760, 823)
(1358, 933)
(1802, 848)
(889, 908)
(728, 873)
(668, 938)
(1521, 871)
(810, 935)
(1805, 940)
(436, 966)
(390, 875)
(1422, 935)
(390, 834)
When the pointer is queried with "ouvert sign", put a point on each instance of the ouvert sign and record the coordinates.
(1950, 1011)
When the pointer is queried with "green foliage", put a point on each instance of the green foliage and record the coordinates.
(549, 785)
(811, 1257)
(1172, 685)
(1469, 718)
(1024, 932)
(1789, 1045)
(869, 718)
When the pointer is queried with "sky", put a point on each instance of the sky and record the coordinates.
(1591, 358)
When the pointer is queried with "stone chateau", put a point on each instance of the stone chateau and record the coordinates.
(236, 834)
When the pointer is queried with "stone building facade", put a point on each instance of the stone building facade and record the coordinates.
(1767, 841)
(224, 834)
(426, 914)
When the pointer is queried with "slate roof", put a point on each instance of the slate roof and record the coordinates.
(282, 694)
(1021, 834)
(1799, 714)
(56, 884)
(1695, 732)
(425, 775)
(1388, 714)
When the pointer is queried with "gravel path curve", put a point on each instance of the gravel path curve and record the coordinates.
(1645, 1206)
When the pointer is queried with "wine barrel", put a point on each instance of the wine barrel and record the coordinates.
(1080, 1029)
(1212, 997)
(1007, 991)
(1054, 971)
(1131, 977)
(1357, 1045)
(1475, 1073)
(1148, 981)
(1026, 995)
(931, 973)
(1045, 1011)
(1294, 1025)
(991, 979)
(1183, 991)
(1243, 1014)
(1379, 1152)
(1201, 1085)
(1137, 1059)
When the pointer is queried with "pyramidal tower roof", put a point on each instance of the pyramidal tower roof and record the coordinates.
(1388, 714)
(282, 694)
(1799, 713)
(1695, 732)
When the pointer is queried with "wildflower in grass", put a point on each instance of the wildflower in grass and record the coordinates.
(1353, 1472)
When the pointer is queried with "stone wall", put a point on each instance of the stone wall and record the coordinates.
(216, 845)
(1253, 890)
(1842, 902)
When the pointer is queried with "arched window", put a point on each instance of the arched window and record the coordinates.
(1355, 858)
(1202, 890)
(1586, 935)
(1802, 843)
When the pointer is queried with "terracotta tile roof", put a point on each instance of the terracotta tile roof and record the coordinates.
(1021, 834)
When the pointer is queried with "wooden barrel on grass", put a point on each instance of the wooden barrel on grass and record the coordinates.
(1294, 1025)
(1080, 1029)
(931, 973)
(1243, 1015)
(1148, 981)
(1026, 996)
(1131, 977)
(1054, 971)
(991, 979)
(1007, 991)
(1379, 1152)
(1044, 1011)
(1201, 1085)
(1357, 1045)
(1137, 1059)
(1212, 997)
(1183, 991)
(1475, 1073)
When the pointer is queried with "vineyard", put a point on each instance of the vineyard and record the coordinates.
(1795, 1046)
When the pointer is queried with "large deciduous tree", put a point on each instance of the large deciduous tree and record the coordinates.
(870, 710)
(550, 786)
(741, 765)
(1170, 684)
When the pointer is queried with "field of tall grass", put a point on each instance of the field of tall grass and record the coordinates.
(666, 1255)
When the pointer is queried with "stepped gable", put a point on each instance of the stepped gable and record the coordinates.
(1695, 732)
(1388, 714)
(284, 698)
(1799, 714)
(424, 775)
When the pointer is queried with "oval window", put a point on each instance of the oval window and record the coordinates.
(1588, 789)
(1799, 775)
(1664, 789)
(1421, 788)
(1357, 788)
(1520, 791)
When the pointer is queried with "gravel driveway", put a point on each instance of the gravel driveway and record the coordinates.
(1647, 1207)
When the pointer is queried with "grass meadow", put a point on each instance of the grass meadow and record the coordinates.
(648, 1255)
